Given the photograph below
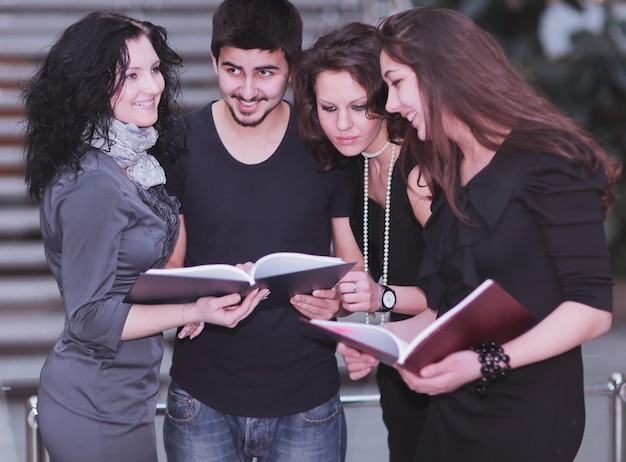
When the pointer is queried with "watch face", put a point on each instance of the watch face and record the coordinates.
(389, 299)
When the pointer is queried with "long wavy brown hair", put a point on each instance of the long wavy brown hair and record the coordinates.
(465, 74)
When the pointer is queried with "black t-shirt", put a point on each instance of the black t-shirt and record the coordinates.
(272, 363)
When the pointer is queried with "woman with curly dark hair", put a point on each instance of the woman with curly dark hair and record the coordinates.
(101, 115)
(340, 97)
(521, 193)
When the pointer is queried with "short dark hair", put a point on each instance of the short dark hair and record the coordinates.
(269, 25)
(68, 100)
(353, 48)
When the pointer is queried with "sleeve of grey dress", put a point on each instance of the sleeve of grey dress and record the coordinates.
(88, 216)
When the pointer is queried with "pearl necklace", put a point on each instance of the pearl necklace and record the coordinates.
(371, 155)
(385, 269)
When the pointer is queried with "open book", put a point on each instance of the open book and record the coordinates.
(284, 273)
(488, 313)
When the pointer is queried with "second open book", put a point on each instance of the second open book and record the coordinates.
(488, 313)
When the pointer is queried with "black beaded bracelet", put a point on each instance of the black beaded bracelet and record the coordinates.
(494, 365)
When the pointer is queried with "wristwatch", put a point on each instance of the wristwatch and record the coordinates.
(387, 299)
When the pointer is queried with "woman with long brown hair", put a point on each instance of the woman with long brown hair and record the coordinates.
(520, 197)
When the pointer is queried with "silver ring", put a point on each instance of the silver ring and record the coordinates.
(354, 287)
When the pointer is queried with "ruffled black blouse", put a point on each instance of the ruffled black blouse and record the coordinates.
(537, 229)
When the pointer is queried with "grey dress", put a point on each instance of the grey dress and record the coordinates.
(97, 393)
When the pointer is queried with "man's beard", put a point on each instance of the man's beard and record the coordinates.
(252, 123)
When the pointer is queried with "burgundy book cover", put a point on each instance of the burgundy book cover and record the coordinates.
(489, 313)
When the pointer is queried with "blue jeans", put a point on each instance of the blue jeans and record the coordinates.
(194, 432)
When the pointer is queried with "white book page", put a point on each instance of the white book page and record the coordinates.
(372, 339)
(218, 271)
(289, 262)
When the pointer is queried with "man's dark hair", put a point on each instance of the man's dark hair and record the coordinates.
(269, 25)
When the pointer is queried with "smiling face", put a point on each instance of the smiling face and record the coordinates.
(404, 95)
(341, 110)
(252, 83)
(137, 101)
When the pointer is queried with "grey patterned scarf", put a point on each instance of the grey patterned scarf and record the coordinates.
(128, 147)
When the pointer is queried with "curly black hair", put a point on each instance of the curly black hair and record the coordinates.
(68, 100)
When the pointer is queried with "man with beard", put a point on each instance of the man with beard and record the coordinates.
(269, 389)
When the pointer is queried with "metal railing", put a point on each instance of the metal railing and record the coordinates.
(615, 388)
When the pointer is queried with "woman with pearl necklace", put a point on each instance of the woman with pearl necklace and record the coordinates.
(339, 97)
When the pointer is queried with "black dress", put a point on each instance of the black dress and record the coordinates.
(402, 408)
(539, 233)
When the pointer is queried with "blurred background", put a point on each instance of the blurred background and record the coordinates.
(574, 51)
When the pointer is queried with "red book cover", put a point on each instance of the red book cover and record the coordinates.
(488, 313)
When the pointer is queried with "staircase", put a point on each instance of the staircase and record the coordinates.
(31, 316)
